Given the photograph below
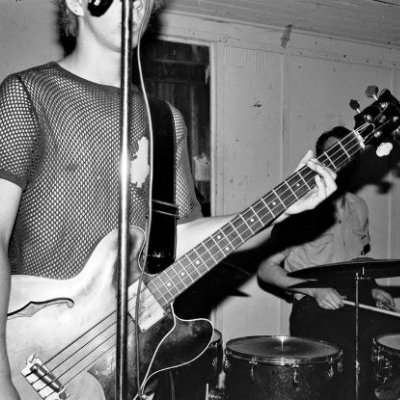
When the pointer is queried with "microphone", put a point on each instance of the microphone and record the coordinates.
(98, 7)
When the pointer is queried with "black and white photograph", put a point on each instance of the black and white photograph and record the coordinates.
(199, 200)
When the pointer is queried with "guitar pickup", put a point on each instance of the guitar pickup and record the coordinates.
(150, 310)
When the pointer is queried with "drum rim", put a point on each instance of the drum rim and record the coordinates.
(286, 360)
(385, 347)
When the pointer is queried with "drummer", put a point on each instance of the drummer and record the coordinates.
(337, 231)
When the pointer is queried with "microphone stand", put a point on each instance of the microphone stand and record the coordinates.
(357, 363)
(123, 233)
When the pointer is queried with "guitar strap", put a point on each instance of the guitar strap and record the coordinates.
(162, 244)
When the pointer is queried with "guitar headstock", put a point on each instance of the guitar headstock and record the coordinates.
(379, 123)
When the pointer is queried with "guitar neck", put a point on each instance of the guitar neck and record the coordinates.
(189, 268)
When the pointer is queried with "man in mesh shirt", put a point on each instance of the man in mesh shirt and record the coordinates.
(59, 161)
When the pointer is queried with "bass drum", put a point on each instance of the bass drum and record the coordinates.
(281, 368)
(195, 380)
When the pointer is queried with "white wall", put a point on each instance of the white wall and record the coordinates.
(27, 34)
(269, 105)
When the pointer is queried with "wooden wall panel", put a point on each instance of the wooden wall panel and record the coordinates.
(317, 93)
(371, 21)
(27, 34)
(249, 144)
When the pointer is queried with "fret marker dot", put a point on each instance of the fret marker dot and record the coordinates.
(252, 220)
(219, 237)
(274, 203)
(198, 262)
(169, 284)
(227, 248)
(182, 274)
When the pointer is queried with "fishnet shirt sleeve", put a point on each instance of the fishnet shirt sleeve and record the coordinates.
(18, 132)
(189, 206)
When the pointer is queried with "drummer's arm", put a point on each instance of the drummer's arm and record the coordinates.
(383, 299)
(271, 271)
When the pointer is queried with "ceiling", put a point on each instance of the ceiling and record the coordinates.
(371, 21)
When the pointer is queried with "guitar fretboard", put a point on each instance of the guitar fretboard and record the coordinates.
(189, 268)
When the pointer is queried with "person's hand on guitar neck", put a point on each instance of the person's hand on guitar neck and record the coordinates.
(325, 186)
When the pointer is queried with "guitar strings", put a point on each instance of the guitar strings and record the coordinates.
(307, 174)
(99, 347)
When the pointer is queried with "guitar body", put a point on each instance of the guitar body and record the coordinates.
(55, 319)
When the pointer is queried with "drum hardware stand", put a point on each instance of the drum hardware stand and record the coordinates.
(357, 363)
(357, 277)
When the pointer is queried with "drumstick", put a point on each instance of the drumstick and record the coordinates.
(381, 310)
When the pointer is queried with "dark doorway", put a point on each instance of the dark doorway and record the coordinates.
(179, 74)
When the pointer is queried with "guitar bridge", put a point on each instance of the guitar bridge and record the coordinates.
(43, 380)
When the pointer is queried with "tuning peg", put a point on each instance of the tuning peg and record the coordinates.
(355, 105)
(396, 133)
(372, 91)
(384, 149)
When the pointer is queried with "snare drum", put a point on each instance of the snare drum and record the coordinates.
(194, 380)
(386, 356)
(280, 368)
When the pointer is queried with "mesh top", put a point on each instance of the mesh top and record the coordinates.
(60, 142)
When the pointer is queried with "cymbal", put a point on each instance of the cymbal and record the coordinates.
(361, 267)
(322, 283)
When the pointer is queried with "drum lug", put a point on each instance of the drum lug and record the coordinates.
(331, 371)
(227, 366)
(216, 394)
(296, 380)
(389, 368)
(253, 362)
(214, 365)
(383, 368)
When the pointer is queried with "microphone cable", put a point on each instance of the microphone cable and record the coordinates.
(146, 16)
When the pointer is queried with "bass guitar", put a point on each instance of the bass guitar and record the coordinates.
(61, 335)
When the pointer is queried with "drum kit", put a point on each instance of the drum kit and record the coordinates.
(349, 275)
(292, 368)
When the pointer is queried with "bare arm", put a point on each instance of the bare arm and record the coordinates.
(271, 271)
(9, 201)
(192, 233)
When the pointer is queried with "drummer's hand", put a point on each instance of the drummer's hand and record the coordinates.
(383, 299)
(325, 185)
(328, 298)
